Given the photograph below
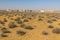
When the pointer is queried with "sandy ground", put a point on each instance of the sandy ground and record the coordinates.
(36, 33)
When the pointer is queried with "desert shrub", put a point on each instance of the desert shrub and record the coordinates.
(54, 20)
(21, 32)
(11, 18)
(23, 25)
(5, 20)
(26, 27)
(50, 26)
(29, 27)
(49, 21)
(19, 22)
(17, 19)
(4, 35)
(56, 30)
(5, 30)
(12, 25)
(26, 20)
(40, 19)
(45, 33)
(29, 18)
(23, 17)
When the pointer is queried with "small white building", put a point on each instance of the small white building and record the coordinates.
(42, 11)
(8, 10)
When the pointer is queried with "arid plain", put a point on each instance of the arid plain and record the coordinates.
(29, 26)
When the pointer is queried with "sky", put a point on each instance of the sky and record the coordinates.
(30, 4)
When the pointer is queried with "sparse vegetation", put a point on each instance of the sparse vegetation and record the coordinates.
(44, 33)
(54, 20)
(5, 30)
(56, 30)
(29, 27)
(4, 35)
(5, 20)
(20, 32)
(11, 18)
(18, 20)
(49, 21)
(40, 19)
(18, 24)
(50, 26)
(23, 25)
(12, 25)
(26, 20)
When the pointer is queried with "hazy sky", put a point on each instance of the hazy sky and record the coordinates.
(29, 4)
